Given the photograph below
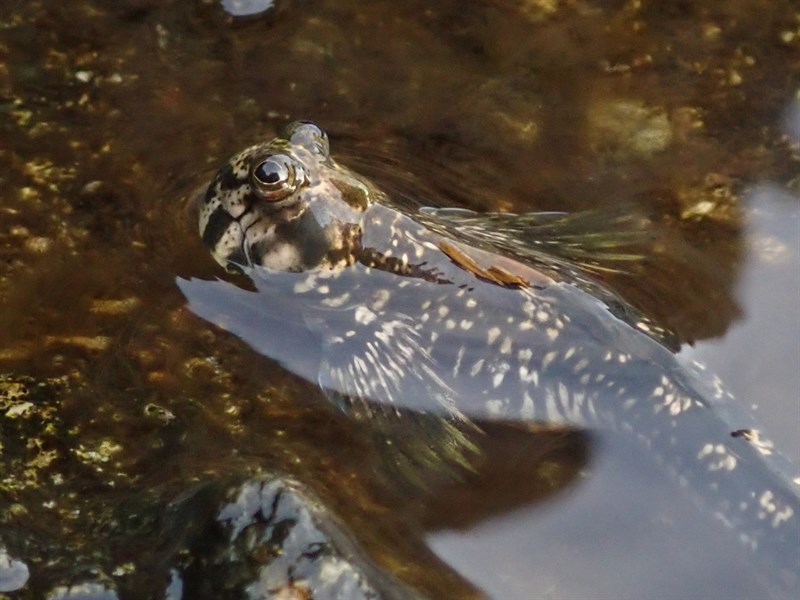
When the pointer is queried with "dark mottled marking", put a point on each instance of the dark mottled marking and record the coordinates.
(218, 223)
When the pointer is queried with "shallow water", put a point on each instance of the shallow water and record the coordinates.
(112, 113)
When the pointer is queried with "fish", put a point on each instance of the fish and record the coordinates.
(468, 317)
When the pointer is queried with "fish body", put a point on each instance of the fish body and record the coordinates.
(389, 309)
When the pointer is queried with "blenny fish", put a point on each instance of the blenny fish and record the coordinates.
(462, 315)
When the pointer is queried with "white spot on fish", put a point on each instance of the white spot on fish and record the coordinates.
(526, 411)
(551, 407)
(476, 368)
(336, 301)
(497, 379)
(459, 358)
(528, 376)
(364, 316)
(580, 365)
(494, 407)
(782, 515)
(381, 297)
(301, 287)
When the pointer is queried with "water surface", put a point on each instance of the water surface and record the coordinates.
(113, 113)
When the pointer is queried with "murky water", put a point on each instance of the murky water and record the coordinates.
(125, 418)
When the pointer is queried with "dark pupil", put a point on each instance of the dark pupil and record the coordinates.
(271, 172)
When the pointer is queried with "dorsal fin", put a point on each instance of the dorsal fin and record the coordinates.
(494, 268)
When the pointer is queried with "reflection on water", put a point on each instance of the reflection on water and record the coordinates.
(619, 532)
(126, 422)
(768, 289)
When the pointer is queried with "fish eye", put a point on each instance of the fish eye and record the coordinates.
(277, 176)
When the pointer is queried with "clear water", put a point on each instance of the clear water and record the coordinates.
(113, 113)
